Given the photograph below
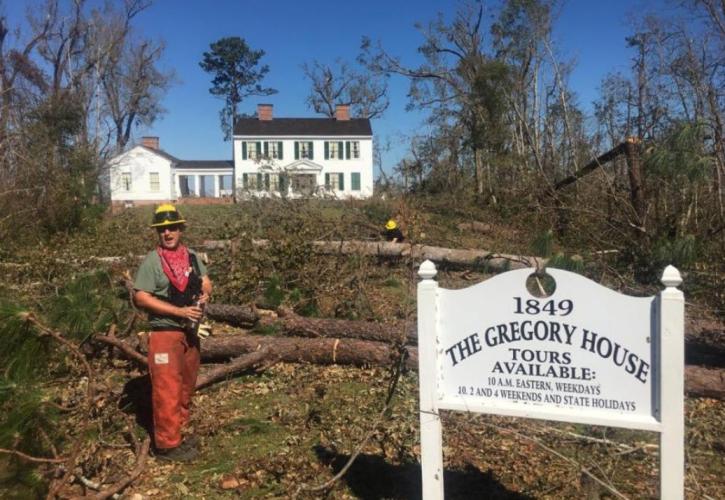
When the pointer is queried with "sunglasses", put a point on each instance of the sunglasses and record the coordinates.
(171, 229)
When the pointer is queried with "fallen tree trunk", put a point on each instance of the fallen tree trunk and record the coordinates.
(699, 381)
(321, 351)
(235, 366)
(704, 382)
(292, 324)
(253, 350)
(484, 258)
(243, 316)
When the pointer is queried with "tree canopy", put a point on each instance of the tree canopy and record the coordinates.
(237, 74)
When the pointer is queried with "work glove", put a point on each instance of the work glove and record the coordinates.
(204, 330)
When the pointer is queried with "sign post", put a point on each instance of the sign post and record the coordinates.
(585, 354)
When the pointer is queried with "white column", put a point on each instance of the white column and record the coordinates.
(431, 438)
(216, 185)
(197, 185)
(672, 386)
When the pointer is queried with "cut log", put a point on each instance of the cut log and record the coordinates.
(243, 316)
(704, 382)
(321, 351)
(462, 257)
(699, 382)
(294, 325)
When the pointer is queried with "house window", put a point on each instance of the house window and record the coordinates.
(126, 181)
(251, 150)
(154, 181)
(272, 182)
(335, 181)
(355, 181)
(333, 149)
(252, 182)
(273, 150)
(303, 149)
(352, 150)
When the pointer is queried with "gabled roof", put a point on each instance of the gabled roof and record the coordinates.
(302, 127)
(159, 152)
(302, 165)
(205, 164)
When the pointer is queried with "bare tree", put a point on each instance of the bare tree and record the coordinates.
(367, 94)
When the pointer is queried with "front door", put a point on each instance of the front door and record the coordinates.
(303, 184)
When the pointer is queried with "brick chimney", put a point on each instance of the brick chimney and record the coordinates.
(264, 112)
(342, 112)
(150, 142)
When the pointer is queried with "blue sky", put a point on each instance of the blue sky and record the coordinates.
(293, 32)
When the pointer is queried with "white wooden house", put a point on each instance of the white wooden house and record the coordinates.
(297, 157)
(145, 174)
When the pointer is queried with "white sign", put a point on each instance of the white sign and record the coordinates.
(585, 354)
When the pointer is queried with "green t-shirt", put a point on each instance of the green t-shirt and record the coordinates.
(151, 278)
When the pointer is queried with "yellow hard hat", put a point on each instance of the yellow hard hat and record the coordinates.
(166, 215)
(391, 224)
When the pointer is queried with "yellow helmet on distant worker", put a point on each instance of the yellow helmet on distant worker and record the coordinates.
(166, 215)
(390, 225)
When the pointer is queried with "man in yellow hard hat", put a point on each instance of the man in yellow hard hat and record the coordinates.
(172, 285)
(392, 232)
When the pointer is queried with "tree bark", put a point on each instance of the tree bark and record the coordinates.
(636, 180)
(321, 351)
(294, 325)
(704, 382)
(243, 316)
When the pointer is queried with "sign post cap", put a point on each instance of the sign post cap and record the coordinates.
(671, 277)
(427, 270)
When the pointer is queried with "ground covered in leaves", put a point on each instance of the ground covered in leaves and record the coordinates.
(292, 428)
(289, 430)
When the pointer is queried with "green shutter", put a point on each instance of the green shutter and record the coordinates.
(339, 150)
(259, 149)
(297, 150)
(279, 150)
(327, 181)
(327, 150)
(341, 182)
(259, 181)
(312, 150)
(266, 149)
(244, 151)
(245, 181)
(266, 182)
(347, 150)
(355, 181)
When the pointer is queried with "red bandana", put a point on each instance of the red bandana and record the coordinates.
(176, 265)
